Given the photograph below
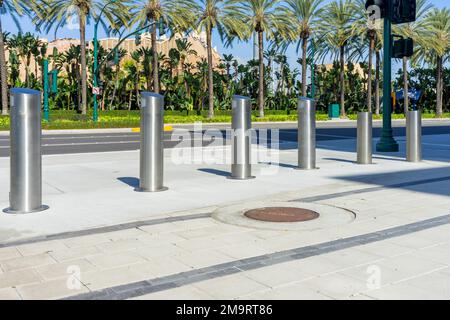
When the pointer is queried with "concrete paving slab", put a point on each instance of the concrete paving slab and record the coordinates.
(134, 243)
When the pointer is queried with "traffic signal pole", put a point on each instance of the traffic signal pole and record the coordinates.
(387, 142)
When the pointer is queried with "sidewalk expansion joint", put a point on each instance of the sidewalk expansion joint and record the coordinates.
(140, 288)
(113, 228)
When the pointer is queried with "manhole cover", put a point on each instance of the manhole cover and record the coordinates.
(281, 214)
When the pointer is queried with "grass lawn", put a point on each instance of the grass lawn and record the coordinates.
(130, 119)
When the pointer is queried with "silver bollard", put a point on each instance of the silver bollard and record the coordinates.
(25, 152)
(306, 133)
(152, 148)
(414, 136)
(364, 138)
(241, 126)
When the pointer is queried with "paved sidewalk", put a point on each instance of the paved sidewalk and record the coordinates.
(102, 240)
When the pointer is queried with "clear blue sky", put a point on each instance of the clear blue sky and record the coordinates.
(242, 51)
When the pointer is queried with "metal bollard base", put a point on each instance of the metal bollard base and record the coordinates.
(11, 211)
(238, 178)
(148, 190)
(306, 169)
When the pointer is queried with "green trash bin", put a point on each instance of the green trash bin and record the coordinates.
(334, 111)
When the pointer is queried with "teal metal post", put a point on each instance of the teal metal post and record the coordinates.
(387, 142)
(95, 110)
(45, 76)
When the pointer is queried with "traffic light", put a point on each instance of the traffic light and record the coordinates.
(403, 11)
(403, 48)
(378, 3)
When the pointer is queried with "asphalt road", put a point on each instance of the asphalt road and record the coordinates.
(106, 142)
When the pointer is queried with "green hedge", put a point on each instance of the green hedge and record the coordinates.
(131, 119)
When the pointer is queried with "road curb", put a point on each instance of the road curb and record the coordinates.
(171, 127)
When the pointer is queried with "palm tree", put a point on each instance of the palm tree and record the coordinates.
(266, 19)
(223, 16)
(370, 30)
(435, 47)
(416, 31)
(184, 51)
(178, 15)
(270, 55)
(281, 60)
(69, 61)
(14, 8)
(58, 13)
(336, 29)
(173, 61)
(228, 59)
(146, 54)
(25, 45)
(304, 18)
(136, 57)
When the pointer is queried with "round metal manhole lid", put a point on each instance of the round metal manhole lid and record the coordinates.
(281, 214)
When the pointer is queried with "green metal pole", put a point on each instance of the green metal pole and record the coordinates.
(45, 76)
(95, 110)
(387, 142)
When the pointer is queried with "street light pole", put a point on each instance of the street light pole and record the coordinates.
(387, 142)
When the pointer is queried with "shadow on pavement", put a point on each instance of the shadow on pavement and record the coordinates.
(340, 160)
(433, 181)
(215, 171)
(131, 181)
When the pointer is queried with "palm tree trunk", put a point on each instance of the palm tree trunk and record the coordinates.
(27, 71)
(116, 80)
(342, 81)
(36, 67)
(210, 74)
(439, 87)
(129, 100)
(3, 73)
(305, 47)
(155, 62)
(405, 85)
(136, 89)
(149, 81)
(369, 75)
(82, 20)
(377, 82)
(261, 74)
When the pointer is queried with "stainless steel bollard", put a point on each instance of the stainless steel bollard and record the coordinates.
(364, 138)
(25, 152)
(306, 133)
(241, 125)
(414, 136)
(152, 148)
